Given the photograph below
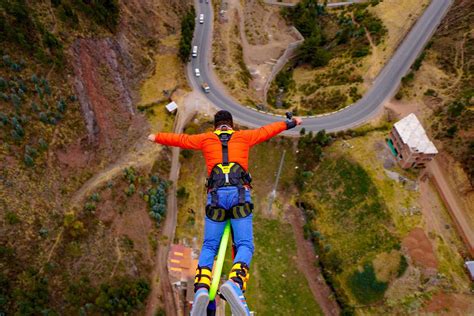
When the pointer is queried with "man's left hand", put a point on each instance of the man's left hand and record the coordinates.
(151, 138)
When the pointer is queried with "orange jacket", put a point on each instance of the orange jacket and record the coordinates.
(210, 145)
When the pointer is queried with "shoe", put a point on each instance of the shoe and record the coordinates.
(200, 302)
(236, 299)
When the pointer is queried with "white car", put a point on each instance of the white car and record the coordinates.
(195, 51)
(196, 72)
(201, 18)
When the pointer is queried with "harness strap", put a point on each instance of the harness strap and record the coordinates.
(224, 138)
(241, 195)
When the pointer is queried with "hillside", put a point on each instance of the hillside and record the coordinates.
(73, 216)
(439, 89)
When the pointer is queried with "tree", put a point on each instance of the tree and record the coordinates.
(310, 52)
(29, 160)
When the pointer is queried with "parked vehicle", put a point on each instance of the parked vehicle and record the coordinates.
(201, 18)
(205, 87)
(197, 73)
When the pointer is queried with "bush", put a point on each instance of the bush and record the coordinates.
(408, 78)
(105, 13)
(431, 93)
(11, 218)
(89, 207)
(32, 295)
(361, 52)
(43, 145)
(28, 160)
(418, 62)
(310, 52)
(403, 266)
(365, 287)
(131, 190)
(121, 297)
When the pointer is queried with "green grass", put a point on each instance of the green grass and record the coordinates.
(349, 222)
(276, 286)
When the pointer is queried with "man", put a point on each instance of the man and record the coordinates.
(226, 153)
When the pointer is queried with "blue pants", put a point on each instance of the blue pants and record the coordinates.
(242, 230)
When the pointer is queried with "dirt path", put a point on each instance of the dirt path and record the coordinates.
(142, 154)
(308, 266)
(160, 284)
(452, 204)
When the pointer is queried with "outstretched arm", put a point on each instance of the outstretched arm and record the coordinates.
(256, 136)
(178, 140)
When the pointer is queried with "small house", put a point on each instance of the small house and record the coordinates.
(470, 269)
(171, 107)
(410, 144)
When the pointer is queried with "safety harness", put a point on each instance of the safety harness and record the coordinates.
(227, 174)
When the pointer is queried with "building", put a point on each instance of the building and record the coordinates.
(182, 268)
(470, 269)
(171, 107)
(410, 144)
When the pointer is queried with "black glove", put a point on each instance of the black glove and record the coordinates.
(290, 124)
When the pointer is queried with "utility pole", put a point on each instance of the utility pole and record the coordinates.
(273, 194)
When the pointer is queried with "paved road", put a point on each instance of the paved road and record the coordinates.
(383, 88)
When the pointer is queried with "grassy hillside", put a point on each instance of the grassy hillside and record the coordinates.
(362, 222)
(78, 236)
(441, 80)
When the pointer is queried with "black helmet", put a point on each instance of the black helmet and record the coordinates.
(223, 117)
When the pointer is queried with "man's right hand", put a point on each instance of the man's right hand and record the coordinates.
(298, 120)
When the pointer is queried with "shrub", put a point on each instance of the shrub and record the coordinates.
(43, 145)
(182, 193)
(11, 218)
(105, 13)
(31, 151)
(130, 190)
(61, 106)
(365, 287)
(408, 78)
(4, 119)
(89, 207)
(431, 93)
(399, 95)
(122, 296)
(95, 197)
(403, 266)
(361, 52)
(31, 297)
(28, 160)
(418, 62)
(451, 131)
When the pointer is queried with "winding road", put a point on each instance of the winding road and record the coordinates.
(383, 88)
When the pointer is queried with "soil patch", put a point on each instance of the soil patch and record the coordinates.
(421, 250)
(451, 304)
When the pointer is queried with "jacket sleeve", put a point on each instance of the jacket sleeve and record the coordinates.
(256, 136)
(180, 140)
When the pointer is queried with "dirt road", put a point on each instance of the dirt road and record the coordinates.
(455, 207)
(161, 285)
(307, 265)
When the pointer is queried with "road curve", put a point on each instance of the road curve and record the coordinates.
(383, 88)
